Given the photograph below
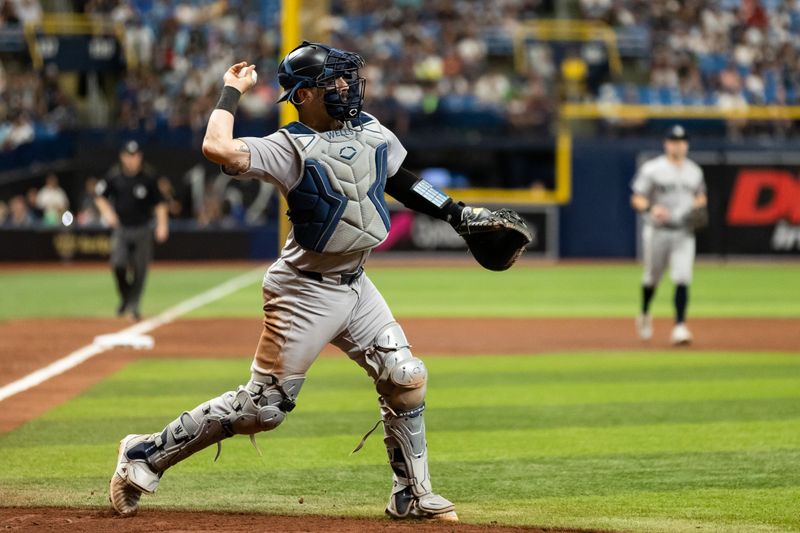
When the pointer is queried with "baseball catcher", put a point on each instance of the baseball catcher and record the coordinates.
(333, 167)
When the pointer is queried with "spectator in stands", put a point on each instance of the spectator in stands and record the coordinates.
(52, 201)
(19, 217)
(88, 214)
(19, 132)
(35, 213)
(174, 207)
(3, 213)
(28, 11)
(531, 110)
(210, 212)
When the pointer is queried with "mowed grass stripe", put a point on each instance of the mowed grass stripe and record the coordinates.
(81, 430)
(763, 290)
(602, 366)
(538, 477)
(338, 384)
(92, 293)
(742, 510)
(588, 290)
(475, 445)
(454, 395)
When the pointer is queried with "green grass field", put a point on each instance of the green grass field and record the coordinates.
(722, 290)
(673, 442)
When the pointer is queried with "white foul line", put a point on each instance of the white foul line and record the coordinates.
(87, 352)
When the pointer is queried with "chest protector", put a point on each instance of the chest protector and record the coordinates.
(338, 206)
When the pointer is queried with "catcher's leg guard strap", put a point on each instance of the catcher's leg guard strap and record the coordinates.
(258, 406)
(401, 377)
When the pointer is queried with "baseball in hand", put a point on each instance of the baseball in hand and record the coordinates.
(253, 75)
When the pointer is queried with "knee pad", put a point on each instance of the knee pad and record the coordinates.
(401, 377)
(248, 418)
(261, 406)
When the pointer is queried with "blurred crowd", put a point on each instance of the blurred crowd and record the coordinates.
(730, 53)
(452, 61)
(192, 202)
(19, 12)
(31, 103)
(177, 52)
(448, 56)
(46, 206)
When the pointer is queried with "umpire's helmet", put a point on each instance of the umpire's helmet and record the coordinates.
(319, 65)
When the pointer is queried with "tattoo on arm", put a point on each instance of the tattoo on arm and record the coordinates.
(241, 163)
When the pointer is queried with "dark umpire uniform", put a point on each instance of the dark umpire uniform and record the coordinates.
(127, 198)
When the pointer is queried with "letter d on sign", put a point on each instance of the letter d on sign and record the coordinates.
(783, 203)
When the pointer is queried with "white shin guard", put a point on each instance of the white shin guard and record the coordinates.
(412, 494)
(258, 406)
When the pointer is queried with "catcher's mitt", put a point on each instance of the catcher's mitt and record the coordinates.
(495, 238)
(697, 218)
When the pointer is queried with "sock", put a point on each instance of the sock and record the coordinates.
(647, 296)
(681, 300)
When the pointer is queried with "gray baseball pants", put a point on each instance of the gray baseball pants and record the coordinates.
(302, 315)
(667, 246)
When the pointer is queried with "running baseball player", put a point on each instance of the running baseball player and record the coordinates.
(670, 193)
(333, 167)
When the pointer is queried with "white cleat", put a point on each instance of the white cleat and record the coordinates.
(404, 505)
(681, 336)
(644, 326)
(131, 478)
(449, 516)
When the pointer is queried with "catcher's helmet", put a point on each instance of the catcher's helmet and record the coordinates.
(319, 65)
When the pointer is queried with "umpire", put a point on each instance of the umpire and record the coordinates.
(127, 199)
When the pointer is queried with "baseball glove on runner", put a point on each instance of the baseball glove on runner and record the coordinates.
(495, 238)
(697, 218)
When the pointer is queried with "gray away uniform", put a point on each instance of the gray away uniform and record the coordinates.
(675, 187)
(315, 294)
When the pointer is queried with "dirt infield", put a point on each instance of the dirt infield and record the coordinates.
(31, 344)
(91, 521)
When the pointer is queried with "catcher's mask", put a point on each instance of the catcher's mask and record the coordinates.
(318, 65)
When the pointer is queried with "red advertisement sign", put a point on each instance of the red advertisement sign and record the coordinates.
(764, 197)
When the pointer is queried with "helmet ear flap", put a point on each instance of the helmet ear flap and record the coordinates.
(293, 94)
(302, 85)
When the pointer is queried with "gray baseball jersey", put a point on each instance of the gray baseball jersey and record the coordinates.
(672, 243)
(665, 183)
(280, 159)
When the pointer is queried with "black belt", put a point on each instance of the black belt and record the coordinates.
(671, 226)
(344, 279)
